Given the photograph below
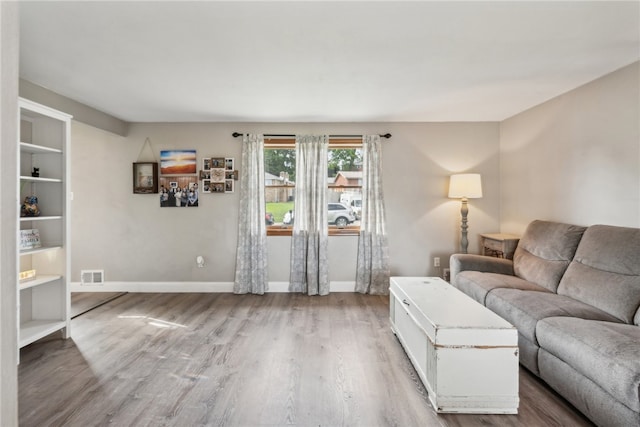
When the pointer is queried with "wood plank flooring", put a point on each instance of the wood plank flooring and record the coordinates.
(81, 302)
(243, 360)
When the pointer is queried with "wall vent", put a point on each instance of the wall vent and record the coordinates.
(92, 277)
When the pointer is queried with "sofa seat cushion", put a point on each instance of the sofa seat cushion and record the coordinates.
(607, 353)
(477, 284)
(523, 309)
(544, 252)
(605, 271)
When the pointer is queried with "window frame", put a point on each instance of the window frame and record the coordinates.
(334, 143)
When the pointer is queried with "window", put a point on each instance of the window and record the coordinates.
(344, 185)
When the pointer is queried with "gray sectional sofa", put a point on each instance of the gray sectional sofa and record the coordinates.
(573, 293)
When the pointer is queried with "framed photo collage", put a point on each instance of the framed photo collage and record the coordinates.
(218, 175)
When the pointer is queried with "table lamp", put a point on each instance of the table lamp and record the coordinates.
(465, 186)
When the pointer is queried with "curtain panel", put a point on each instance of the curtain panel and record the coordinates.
(251, 255)
(309, 240)
(372, 272)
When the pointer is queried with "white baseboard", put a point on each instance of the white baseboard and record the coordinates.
(177, 287)
(157, 287)
(334, 286)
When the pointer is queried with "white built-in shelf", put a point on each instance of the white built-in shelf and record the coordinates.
(33, 330)
(39, 280)
(38, 179)
(38, 149)
(44, 248)
(40, 218)
(43, 143)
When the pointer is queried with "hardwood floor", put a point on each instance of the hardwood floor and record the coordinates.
(81, 302)
(243, 360)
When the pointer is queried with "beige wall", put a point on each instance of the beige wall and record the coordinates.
(80, 112)
(575, 158)
(134, 240)
(8, 213)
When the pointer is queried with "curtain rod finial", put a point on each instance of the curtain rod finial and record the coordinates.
(386, 135)
(236, 134)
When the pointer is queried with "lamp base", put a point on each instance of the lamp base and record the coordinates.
(464, 211)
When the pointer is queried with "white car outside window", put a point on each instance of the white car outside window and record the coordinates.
(340, 215)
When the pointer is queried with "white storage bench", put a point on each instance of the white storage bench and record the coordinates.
(466, 355)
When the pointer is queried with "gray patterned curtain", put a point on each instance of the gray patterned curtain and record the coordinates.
(372, 274)
(251, 256)
(309, 240)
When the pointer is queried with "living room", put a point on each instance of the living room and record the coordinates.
(572, 157)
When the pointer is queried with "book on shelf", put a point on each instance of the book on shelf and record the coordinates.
(30, 239)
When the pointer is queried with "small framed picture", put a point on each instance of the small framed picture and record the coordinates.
(228, 185)
(173, 184)
(206, 163)
(217, 175)
(30, 239)
(228, 164)
(206, 186)
(205, 174)
(145, 178)
(217, 162)
(231, 175)
(217, 187)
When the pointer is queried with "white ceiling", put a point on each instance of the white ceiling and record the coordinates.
(322, 61)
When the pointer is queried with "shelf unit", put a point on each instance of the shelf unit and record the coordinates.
(44, 301)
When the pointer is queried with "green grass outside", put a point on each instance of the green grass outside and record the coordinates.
(278, 210)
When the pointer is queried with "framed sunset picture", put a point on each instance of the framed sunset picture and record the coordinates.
(178, 162)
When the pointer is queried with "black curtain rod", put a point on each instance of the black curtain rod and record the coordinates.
(268, 135)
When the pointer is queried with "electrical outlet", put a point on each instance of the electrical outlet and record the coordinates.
(436, 261)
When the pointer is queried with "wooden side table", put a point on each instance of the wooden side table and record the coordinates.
(499, 245)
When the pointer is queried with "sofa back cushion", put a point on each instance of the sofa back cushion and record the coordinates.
(605, 271)
(544, 252)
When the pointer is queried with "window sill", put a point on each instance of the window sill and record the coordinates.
(277, 230)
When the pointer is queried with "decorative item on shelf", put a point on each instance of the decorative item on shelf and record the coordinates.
(465, 186)
(30, 239)
(36, 173)
(27, 275)
(29, 207)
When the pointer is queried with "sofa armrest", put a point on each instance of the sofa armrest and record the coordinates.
(461, 262)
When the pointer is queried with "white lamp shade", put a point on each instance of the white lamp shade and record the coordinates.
(467, 185)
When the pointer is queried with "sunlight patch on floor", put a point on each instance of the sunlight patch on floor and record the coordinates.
(159, 323)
